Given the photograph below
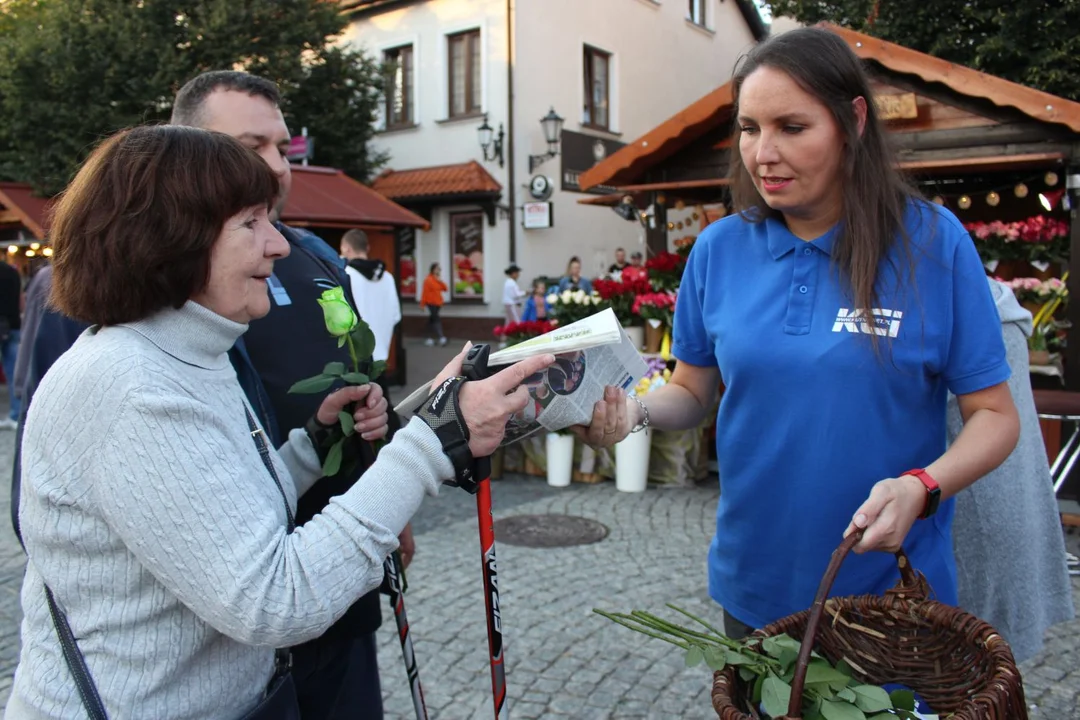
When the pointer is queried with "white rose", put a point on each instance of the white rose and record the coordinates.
(566, 296)
(552, 298)
(579, 297)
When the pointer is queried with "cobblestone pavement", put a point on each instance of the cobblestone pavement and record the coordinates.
(562, 660)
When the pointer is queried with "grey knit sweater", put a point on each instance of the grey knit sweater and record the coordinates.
(148, 511)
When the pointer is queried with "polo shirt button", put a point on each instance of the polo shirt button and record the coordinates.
(802, 289)
(807, 251)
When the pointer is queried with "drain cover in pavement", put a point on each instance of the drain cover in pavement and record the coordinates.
(546, 531)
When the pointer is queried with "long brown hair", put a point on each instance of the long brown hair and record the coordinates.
(875, 194)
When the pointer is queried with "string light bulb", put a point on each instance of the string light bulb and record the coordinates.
(12, 249)
(670, 226)
(35, 246)
(1021, 190)
(964, 202)
(1051, 179)
(993, 199)
(30, 253)
(938, 200)
(47, 252)
(679, 204)
(661, 199)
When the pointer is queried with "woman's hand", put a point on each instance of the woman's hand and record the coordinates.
(612, 419)
(888, 514)
(488, 404)
(370, 414)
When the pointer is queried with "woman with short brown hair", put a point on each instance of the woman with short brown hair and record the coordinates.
(158, 524)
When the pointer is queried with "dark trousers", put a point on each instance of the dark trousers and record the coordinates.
(337, 678)
(435, 322)
(735, 628)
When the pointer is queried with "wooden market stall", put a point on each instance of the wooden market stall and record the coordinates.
(987, 148)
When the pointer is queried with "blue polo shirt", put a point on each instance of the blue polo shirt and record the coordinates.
(811, 418)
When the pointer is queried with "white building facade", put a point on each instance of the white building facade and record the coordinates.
(612, 69)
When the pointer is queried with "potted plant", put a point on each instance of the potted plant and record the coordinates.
(619, 296)
(657, 310)
(632, 454)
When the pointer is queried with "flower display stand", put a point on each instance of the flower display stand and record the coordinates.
(636, 333)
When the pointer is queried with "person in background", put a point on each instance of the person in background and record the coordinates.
(635, 270)
(11, 304)
(431, 297)
(1010, 551)
(620, 262)
(536, 304)
(839, 308)
(512, 295)
(573, 280)
(375, 292)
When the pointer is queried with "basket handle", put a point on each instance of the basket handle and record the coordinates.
(907, 578)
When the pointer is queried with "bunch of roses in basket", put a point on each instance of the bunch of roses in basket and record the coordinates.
(513, 333)
(1037, 239)
(656, 306)
(620, 297)
(572, 305)
(1036, 291)
(665, 270)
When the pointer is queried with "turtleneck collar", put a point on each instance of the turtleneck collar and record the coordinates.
(193, 334)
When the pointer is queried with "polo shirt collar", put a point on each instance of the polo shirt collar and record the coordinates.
(782, 241)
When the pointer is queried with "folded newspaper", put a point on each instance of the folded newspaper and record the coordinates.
(589, 355)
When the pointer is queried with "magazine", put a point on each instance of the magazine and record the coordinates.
(589, 355)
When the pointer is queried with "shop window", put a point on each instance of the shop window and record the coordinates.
(398, 66)
(464, 64)
(596, 112)
(467, 255)
(696, 12)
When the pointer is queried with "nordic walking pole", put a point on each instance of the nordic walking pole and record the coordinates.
(475, 368)
(394, 573)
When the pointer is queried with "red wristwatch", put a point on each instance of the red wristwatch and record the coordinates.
(933, 491)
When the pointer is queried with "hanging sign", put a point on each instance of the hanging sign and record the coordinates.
(898, 106)
(537, 215)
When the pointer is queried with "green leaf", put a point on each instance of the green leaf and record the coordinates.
(843, 667)
(348, 425)
(354, 378)
(715, 658)
(812, 711)
(736, 658)
(377, 369)
(337, 369)
(341, 341)
(820, 671)
(871, 699)
(903, 700)
(333, 459)
(694, 656)
(775, 645)
(316, 384)
(747, 674)
(788, 658)
(847, 694)
(840, 710)
(364, 340)
(775, 694)
(757, 689)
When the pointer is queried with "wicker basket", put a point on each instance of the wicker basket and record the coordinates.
(957, 663)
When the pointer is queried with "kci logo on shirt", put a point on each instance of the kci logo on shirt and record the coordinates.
(884, 322)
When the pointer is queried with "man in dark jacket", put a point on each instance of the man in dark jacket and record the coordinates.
(337, 675)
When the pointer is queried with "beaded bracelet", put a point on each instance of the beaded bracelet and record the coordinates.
(645, 422)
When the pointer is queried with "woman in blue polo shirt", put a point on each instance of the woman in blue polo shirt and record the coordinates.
(832, 418)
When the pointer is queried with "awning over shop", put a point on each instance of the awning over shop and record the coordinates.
(424, 188)
(326, 197)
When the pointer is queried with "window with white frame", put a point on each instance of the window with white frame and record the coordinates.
(596, 111)
(400, 106)
(463, 61)
(695, 13)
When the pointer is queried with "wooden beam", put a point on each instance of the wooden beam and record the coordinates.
(9, 217)
(992, 162)
(978, 136)
(675, 185)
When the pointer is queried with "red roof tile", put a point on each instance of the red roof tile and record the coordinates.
(31, 210)
(325, 196)
(461, 179)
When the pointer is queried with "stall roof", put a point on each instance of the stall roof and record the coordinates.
(327, 197)
(438, 181)
(713, 111)
(32, 211)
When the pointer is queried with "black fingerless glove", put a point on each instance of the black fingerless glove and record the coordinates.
(441, 412)
(320, 436)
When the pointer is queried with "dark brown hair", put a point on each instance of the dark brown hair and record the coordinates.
(188, 105)
(875, 194)
(357, 239)
(133, 232)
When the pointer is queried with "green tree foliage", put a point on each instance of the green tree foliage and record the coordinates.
(1034, 44)
(74, 71)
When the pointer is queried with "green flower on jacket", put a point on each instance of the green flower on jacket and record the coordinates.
(337, 313)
